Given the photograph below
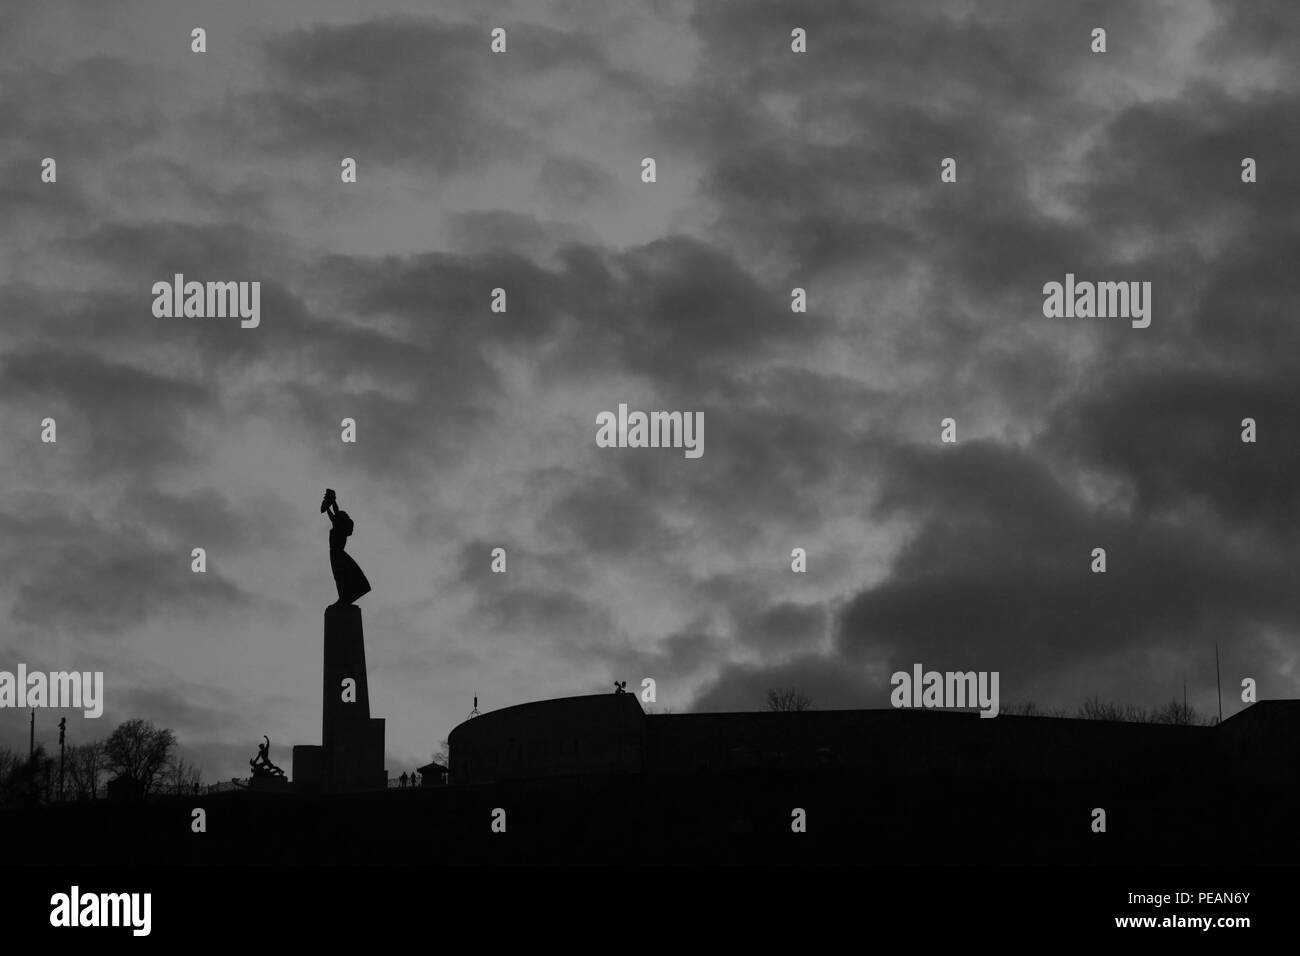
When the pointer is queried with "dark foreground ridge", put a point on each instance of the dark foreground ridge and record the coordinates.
(595, 780)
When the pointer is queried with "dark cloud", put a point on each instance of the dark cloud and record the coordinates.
(827, 683)
(1175, 436)
(537, 595)
(997, 576)
(784, 627)
(500, 230)
(31, 205)
(670, 661)
(96, 576)
(1263, 33)
(600, 520)
(97, 105)
(544, 612)
(570, 179)
(413, 90)
(676, 310)
(207, 516)
(191, 710)
(396, 88)
(119, 416)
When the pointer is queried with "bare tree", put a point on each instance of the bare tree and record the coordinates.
(139, 752)
(182, 776)
(1094, 708)
(1176, 712)
(1173, 712)
(787, 699)
(441, 755)
(9, 759)
(1030, 709)
(26, 779)
(9, 764)
(85, 763)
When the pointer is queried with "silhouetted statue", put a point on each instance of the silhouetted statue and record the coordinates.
(620, 687)
(403, 779)
(348, 577)
(261, 764)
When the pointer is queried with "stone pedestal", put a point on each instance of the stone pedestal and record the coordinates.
(356, 759)
(306, 767)
(351, 754)
(345, 658)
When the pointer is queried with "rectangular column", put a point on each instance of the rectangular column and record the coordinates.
(352, 742)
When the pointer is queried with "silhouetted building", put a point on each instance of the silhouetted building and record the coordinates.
(566, 736)
(433, 775)
(609, 733)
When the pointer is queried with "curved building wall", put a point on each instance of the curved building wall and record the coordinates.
(570, 735)
(587, 736)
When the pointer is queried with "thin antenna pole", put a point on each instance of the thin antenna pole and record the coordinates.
(1217, 681)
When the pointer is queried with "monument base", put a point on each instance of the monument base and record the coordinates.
(355, 758)
(306, 767)
(351, 752)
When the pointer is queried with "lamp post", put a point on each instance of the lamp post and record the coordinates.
(63, 730)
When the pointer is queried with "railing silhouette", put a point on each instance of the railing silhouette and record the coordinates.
(413, 782)
(51, 795)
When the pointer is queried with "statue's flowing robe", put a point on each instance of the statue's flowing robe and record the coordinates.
(348, 576)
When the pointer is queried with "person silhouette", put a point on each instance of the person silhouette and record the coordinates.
(348, 576)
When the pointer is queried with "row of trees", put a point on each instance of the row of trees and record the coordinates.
(1174, 712)
(1094, 708)
(137, 755)
(787, 699)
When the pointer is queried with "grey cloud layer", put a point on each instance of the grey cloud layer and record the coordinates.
(819, 171)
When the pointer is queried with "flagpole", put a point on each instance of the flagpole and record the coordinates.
(1217, 681)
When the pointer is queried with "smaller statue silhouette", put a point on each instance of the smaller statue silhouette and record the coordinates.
(348, 576)
(261, 764)
(620, 687)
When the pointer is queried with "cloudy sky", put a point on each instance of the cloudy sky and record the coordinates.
(477, 430)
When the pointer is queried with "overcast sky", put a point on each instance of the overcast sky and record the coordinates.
(477, 430)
